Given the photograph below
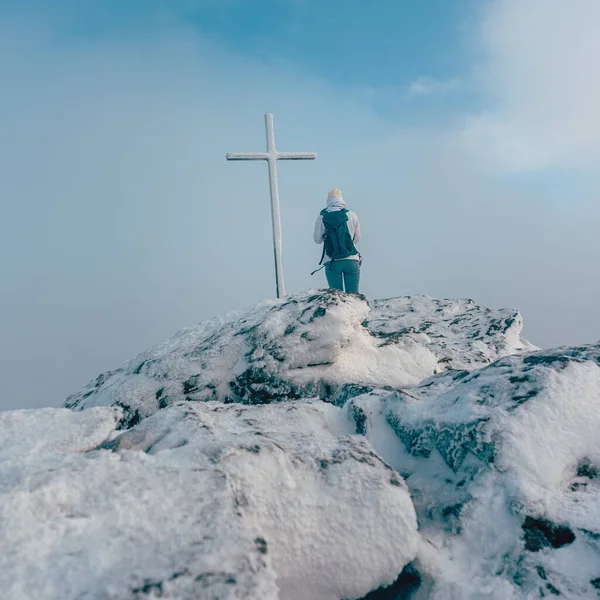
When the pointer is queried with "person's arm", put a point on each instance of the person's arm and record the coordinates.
(356, 236)
(319, 230)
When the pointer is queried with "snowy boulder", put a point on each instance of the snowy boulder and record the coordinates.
(200, 500)
(322, 344)
(503, 466)
(461, 333)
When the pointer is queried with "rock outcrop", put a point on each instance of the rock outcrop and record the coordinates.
(323, 344)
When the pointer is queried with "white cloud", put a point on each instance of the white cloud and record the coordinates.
(423, 86)
(541, 76)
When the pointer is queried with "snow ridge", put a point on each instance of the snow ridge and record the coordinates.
(310, 345)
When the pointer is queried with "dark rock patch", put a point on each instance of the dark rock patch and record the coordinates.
(552, 589)
(210, 578)
(191, 385)
(360, 418)
(131, 417)
(450, 444)
(149, 587)
(254, 448)
(245, 331)
(320, 312)
(162, 398)
(452, 511)
(591, 534)
(521, 379)
(417, 442)
(552, 361)
(394, 337)
(256, 386)
(139, 368)
(519, 399)
(454, 374)
(478, 443)
(261, 545)
(347, 391)
(586, 469)
(112, 445)
(453, 443)
(541, 533)
(403, 588)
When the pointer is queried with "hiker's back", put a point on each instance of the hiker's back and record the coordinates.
(338, 229)
(337, 237)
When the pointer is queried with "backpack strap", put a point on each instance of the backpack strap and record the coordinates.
(324, 231)
(322, 255)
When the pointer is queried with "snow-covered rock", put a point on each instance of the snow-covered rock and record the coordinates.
(198, 501)
(315, 447)
(322, 344)
(461, 333)
(503, 465)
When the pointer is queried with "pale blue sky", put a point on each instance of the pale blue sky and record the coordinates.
(465, 135)
(350, 42)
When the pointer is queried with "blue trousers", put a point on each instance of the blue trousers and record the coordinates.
(343, 272)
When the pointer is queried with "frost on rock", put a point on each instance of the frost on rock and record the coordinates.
(461, 333)
(198, 501)
(502, 464)
(322, 344)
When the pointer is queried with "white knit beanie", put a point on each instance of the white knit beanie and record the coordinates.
(334, 194)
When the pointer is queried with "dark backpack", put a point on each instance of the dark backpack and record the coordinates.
(337, 241)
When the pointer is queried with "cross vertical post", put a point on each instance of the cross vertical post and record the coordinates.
(272, 156)
(275, 213)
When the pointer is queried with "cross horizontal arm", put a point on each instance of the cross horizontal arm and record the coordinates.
(296, 155)
(247, 156)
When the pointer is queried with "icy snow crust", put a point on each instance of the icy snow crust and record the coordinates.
(309, 345)
(198, 501)
(503, 467)
(315, 448)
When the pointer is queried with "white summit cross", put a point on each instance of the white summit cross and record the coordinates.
(272, 156)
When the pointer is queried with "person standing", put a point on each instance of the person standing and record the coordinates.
(338, 229)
